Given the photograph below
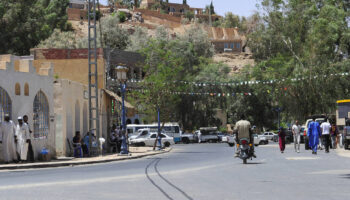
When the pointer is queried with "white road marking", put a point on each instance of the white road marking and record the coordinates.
(302, 158)
(333, 172)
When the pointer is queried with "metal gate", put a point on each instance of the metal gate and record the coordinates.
(41, 116)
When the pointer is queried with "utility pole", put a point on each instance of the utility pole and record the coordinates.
(94, 122)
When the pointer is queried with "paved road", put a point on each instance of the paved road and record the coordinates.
(198, 171)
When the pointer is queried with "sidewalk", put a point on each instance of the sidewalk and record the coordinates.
(136, 152)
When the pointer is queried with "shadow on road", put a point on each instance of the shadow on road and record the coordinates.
(253, 163)
(345, 176)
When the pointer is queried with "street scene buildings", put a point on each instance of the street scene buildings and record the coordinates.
(174, 99)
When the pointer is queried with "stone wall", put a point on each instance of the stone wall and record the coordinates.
(148, 14)
(76, 14)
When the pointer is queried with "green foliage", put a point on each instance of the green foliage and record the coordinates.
(23, 24)
(98, 15)
(121, 16)
(59, 39)
(189, 15)
(298, 38)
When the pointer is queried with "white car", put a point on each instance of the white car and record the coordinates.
(148, 140)
(269, 135)
(257, 140)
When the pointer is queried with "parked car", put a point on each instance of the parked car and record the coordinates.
(262, 139)
(187, 138)
(148, 140)
(222, 137)
(269, 135)
(258, 140)
(208, 134)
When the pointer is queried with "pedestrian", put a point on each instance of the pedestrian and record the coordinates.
(23, 138)
(282, 139)
(119, 138)
(199, 136)
(334, 134)
(30, 155)
(296, 134)
(7, 131)
(313, 132)
(114, 138)
(326, 128)
(77, 145)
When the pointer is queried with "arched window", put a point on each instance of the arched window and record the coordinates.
(128, 121)
(41, 116)
(137, 121)
(26, 89)
(18, 89)
(5, 104)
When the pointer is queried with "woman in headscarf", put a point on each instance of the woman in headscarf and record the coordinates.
(282, 139)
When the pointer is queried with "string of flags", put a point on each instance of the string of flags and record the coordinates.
(253, 82)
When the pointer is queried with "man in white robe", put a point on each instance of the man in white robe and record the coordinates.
(7, 130)
(23, 138)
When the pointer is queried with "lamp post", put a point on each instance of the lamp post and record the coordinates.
(122, 78)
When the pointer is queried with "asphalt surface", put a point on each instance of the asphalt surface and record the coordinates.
(194, 171)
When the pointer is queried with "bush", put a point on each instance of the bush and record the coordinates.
(98, 15)
(189, 15)
(122, 17)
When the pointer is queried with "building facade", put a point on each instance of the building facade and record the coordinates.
(23, 91)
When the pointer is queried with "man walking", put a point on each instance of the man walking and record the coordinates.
(313, 132)
(23, 138)
(296, 135)
(326, 127)
(7, 130)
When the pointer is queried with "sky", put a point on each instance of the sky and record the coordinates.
(238, 7)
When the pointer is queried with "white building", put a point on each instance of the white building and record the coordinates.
(23, 91)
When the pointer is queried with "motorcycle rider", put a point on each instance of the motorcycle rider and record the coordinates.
(243, 130)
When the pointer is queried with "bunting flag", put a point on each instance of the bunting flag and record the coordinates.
(251, 82)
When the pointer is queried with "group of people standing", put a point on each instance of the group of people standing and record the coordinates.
(324, 134)
(16, 140)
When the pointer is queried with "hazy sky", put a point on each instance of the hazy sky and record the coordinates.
(238, 7)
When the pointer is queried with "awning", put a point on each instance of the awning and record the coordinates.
(118, 98)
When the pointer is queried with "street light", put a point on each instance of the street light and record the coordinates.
(122, 78)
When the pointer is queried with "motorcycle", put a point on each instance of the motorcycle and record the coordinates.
(246, 150)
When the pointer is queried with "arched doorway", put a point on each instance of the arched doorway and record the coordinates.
(5, 104)
(136, 121)
(77, 116)
(128, 121)
(41, 116)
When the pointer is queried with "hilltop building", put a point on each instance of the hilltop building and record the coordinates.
(226, 39)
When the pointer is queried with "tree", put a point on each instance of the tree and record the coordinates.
(23, 24)
(298, 38)
(59, 39)
(113, 37)
(184, 2)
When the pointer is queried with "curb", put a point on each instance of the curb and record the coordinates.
(71, 164)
